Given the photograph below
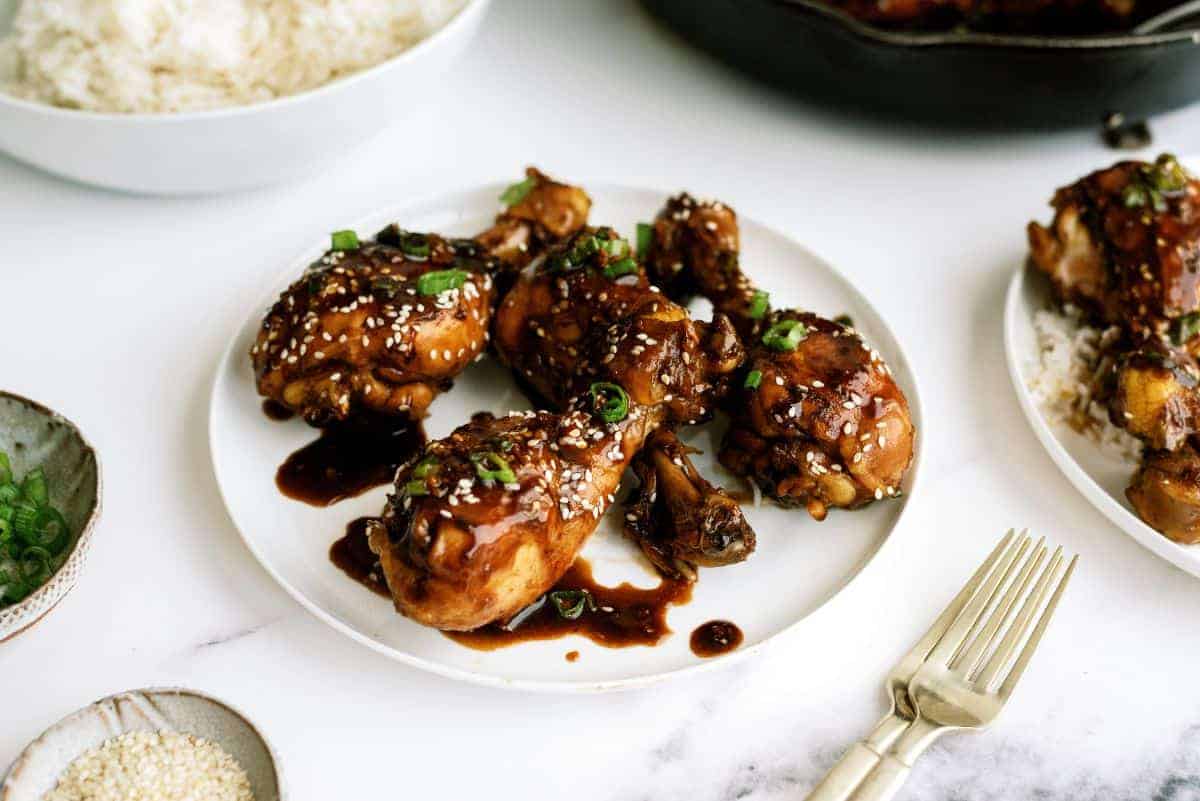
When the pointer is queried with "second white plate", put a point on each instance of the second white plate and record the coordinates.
(798, 567)
(1101, 478)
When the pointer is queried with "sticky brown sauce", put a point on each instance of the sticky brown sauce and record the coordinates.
(277, 411)
(623, 616)
(346, 461)
(353, 556)
(716, 637)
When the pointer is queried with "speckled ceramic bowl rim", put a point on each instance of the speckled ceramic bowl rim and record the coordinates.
(67, 720)
(469, 10)
(82, 542)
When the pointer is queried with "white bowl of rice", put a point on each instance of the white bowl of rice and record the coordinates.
(202, 96)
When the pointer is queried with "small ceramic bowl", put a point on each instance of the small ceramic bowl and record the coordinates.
(39, 766)
(225, 149)
(33, 436)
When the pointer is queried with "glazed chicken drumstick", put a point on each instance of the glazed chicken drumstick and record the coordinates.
(560, 326)
(1124, 246)
(494, 514)
(381, 327)
(818, 420)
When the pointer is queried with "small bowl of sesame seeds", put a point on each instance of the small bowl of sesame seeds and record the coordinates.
(168, 744)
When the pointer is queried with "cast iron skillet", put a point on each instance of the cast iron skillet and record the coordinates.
(959, 78)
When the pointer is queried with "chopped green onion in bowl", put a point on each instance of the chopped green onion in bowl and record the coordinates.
(34, 536)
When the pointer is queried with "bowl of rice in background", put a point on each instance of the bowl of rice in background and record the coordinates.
(204, 96)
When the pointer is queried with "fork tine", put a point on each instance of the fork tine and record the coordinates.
(950, 643)
(1014, 675)
(998, 661)
(966, 661)
(950, 613)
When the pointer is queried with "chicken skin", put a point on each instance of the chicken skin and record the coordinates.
(494, 514)
(818, 421)
(678, 518)
(1165, 492)
(1156, 397)
(376, 328)
(380, 328)
(1124, 245)
(459, 552)
(694, 249)
(540, 212)
(588, 311)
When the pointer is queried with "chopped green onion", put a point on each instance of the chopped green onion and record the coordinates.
(5, 530)
(8, 494)
(415, 246)
(645, 238)
(498, 471)
(844, 320)
(609, 401)
(344, 240)
(785, 335)
(416, 487)
(50, 531)
(385, 286)
(35, 565)
(6, 512)
(1186, 327)
(6, 474)
(34, 489)
(753, 380)
(425, 467)
(24, 518)
(617, 248)
(584, 247)
(517, 192)
(626, 266)
(570, 604)
(439, 281)
(758, 305)
(315, 283)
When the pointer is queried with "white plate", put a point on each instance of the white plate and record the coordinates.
(1101, 478)
(762, 595)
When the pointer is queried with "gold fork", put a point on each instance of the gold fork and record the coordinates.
(854, 766)
(970, 674)
(945, 682)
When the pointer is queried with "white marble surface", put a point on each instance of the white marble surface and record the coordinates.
(114, 310)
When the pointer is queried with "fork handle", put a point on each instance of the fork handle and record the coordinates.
(846, 774)
(884, 782)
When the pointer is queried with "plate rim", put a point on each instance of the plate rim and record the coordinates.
(1178, 555)
(582, 686)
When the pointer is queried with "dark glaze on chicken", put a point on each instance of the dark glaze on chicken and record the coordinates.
(818, 421)
(540, 212)
(564, 326)
(364, 333)
(694, 250)
(363, 330)
(1124, 246)
(459, 552)
(678, 518)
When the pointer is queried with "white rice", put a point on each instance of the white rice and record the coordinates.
(1061, 382)
(185, 55)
